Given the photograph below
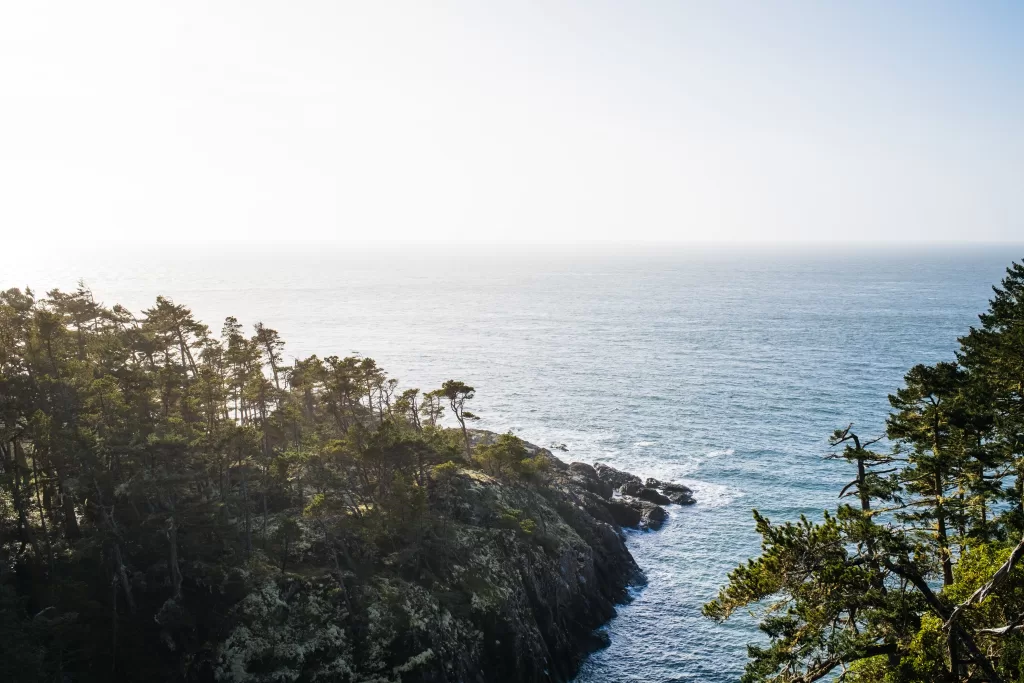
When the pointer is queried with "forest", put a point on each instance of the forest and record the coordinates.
(177, 504)
(916, 575)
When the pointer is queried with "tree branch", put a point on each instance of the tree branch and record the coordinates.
(824, 668)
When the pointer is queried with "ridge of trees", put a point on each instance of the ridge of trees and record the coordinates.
(146, 460)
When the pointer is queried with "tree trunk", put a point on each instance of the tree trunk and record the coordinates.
(42, 518)
(123, 577)
(172, 538)
(245, 502)
(71, 529)
(25, 529)
(940, 533)
(465, 436)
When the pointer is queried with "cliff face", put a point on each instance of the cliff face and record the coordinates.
(525, 573)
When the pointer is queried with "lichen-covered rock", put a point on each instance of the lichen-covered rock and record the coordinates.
(514, 591)
(283, 635)
(511, 587)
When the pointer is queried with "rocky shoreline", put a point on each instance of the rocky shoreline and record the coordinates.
(592, 504)
(527, 572)
(632, 504)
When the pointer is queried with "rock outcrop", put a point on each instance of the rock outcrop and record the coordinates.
(677, 494)
(585, 476)
(639, 503)
(512, 588)
(616, 478)
(652, 496)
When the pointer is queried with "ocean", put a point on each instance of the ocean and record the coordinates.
(725, 369)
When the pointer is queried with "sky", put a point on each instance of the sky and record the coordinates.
(332, 121)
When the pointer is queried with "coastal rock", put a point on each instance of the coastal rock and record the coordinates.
(677, 494)
(624, 514)
(631, 488)
(681, 498)
(667, 487)
(585, 476)
(655, 516)
(652, 516)
(653, 496)
(513, 587)
(616, 478)
(599, 507)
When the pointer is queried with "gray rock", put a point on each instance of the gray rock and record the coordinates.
(585, 476)
(624, 514)
(655, 516)
(653, 496)
(632, 488)
(616, 478)
(667, 487)
(681, 498)
(652, 516)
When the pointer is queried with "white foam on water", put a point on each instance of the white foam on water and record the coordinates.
(711, 495)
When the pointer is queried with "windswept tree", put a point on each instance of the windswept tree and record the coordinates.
(271, 345)
(432, 407)
(457, 393)
(408, 408)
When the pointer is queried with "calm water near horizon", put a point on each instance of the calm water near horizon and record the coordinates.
(724, 369)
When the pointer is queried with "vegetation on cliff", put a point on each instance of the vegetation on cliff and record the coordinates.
(180, 505)
(918, 578)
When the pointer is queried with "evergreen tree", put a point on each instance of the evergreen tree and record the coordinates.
(144, 462)
(860, 591)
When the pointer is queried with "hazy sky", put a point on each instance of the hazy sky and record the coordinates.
(186, 121)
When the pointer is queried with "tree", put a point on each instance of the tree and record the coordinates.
(859, 591)
(924, 424)
(458, 393)
(433, 407)
(993, 355)
(270, 343)
(136, 454)
(408, 408)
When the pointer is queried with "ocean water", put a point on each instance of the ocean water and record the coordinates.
(723, 369)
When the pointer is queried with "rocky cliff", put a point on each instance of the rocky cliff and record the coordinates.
(512, 591)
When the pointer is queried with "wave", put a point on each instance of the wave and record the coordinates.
(710, 495)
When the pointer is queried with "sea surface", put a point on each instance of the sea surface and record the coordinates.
(726, 369)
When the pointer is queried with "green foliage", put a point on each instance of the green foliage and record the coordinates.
(507, 457)
(457, 393)
(513, 518)
(191, 468)
(859, 591)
